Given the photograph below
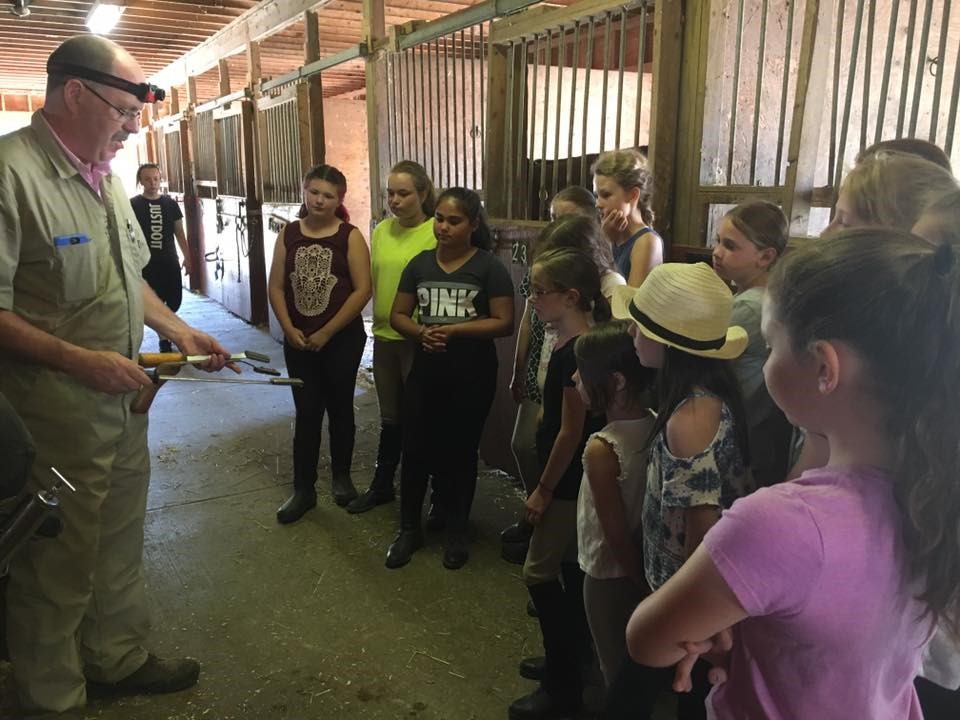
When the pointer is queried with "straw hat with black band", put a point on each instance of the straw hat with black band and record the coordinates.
(684, 306)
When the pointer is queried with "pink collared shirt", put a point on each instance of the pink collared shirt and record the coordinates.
(92, 173)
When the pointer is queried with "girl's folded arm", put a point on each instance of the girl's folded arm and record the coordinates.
(693, 605)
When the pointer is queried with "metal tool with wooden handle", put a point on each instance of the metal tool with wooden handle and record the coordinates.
(149, 360)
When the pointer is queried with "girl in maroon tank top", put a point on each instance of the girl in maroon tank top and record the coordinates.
(319, 284)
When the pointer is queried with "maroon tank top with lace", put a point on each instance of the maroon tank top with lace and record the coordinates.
(316, 275)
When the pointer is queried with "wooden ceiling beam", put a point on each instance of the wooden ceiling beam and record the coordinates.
(263, 20)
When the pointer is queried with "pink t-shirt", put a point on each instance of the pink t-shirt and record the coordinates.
(834, 631)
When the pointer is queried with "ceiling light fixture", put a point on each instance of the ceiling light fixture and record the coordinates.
(104, 16)
(20, 8)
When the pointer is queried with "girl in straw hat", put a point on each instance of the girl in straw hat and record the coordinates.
(832, 582)
(698, 444)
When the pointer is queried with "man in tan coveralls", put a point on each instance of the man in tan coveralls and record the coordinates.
(72, 308)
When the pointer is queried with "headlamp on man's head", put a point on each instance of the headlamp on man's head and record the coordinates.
(144, 92)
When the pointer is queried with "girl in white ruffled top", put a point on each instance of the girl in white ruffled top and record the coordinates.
(611, 380)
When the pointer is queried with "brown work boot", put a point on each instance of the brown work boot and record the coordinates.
(155, 677)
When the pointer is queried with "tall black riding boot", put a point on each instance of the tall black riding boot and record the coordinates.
(560, 694)
(388, 458)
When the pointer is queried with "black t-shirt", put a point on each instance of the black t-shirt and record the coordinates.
(157, 219)
(461, 296)
(560, 370)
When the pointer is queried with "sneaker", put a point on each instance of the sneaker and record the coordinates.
(155, 677)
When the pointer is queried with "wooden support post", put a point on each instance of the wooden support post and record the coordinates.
(174, 101)
(224, 68)
(191, 206)
(804, 150)
(312, 105)
(254, 68)
(256, 256)
(374, 33)
(505, 129)
(688, 216)
(664, 109)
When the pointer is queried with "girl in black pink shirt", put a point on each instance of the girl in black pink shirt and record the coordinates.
(464, 299)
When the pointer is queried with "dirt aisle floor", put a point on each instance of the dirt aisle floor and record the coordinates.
(304, 621)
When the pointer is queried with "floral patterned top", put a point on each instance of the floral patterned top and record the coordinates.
(716, 476)
(530, 386)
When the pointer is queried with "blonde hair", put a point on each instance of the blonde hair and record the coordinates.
(629, 169)
(889, 188)
(942, 212)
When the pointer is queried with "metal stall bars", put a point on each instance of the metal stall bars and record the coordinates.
(575, 85)
(744, 108)
(437, 99)
(172, 167)
(912, 49)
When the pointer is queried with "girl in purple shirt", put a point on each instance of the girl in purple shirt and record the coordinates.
(832, 582)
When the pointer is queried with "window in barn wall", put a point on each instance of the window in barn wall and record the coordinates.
(436, 99)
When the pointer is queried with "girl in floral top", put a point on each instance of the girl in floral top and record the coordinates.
(698, 444)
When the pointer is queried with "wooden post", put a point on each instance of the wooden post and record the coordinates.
(664, 109)
(251, 190)
(191, 203)
(174, 101)
(254, 71)
(313, 102)
(503, 113)
(804, 150)
(688, 215)
(254, 68)
(224, 68)
(373, 36)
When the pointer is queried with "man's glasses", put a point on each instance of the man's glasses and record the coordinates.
(125, 114)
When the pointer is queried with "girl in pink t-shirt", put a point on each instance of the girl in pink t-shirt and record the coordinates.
(832, 582)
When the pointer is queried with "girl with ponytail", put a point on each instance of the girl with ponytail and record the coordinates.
(394, 243)
(319, 283)
(852, 563)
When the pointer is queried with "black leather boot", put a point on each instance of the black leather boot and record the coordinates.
(342, 487)
(403, 548)
(295, 506)
(388, 457)
(560, 694)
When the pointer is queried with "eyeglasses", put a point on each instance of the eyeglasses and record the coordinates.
(537, 293)
(125, 114)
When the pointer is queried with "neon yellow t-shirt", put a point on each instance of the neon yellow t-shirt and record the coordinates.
(392, 246)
